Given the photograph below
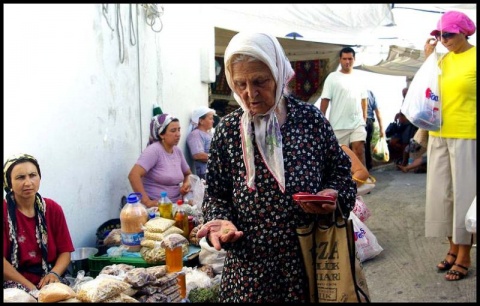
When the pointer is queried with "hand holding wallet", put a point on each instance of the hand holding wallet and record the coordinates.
(314, 203)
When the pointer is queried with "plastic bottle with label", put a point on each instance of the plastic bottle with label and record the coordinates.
(181, 219)
(132, 219)
(165, 206)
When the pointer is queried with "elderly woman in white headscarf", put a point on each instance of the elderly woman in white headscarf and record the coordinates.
(199, 138)
(261, 154)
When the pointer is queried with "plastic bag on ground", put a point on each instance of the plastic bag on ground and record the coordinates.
(366, 243)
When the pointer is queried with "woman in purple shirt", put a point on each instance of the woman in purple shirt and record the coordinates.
(162, 165)
(198, 141)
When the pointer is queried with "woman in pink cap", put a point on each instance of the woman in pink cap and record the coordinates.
(452, 151)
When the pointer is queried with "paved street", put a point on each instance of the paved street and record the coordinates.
(406, 271)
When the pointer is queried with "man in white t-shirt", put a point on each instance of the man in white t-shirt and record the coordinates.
(347, 94)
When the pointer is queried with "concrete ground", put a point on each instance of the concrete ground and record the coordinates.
(405, 271)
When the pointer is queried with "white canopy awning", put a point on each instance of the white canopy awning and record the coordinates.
(400, 61)
(295, 49)
(346, 24)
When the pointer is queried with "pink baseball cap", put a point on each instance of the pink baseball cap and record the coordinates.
(454, 22)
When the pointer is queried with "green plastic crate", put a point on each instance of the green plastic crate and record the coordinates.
(97, 263)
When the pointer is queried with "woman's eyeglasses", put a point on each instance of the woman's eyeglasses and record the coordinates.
(445, 35)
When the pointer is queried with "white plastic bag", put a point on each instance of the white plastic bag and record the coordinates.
(210, 256)
(197, 191)
(380, 151)
(422, 103)
(471, 217)
(15, 295)
(366, 243)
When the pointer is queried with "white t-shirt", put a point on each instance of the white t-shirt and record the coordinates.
(345, 92)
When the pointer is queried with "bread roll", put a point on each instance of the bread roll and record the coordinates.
(55, 292)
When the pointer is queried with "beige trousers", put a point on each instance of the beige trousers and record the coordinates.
(451, 187)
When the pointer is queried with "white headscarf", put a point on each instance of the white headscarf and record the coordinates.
(196, 114)
(268, 138)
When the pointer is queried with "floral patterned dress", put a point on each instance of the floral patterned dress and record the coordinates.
(266, 264)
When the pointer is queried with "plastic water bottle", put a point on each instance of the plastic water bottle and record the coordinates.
(132, 218)
(181, 219)
(410, 160)
(165, 206)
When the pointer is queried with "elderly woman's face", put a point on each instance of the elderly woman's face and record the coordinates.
(255, 85)
(25, 180)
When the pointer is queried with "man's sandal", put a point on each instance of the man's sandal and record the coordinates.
(458, 274)
(446, 265)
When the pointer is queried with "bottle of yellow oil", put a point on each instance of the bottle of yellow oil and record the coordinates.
(165, 206)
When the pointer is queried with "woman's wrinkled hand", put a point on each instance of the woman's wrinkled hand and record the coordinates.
(323, 208)
(218, 232)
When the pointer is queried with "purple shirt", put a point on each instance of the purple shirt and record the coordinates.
(199, 141)
(164, 171)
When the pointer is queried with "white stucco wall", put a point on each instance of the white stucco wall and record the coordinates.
(84, 115)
